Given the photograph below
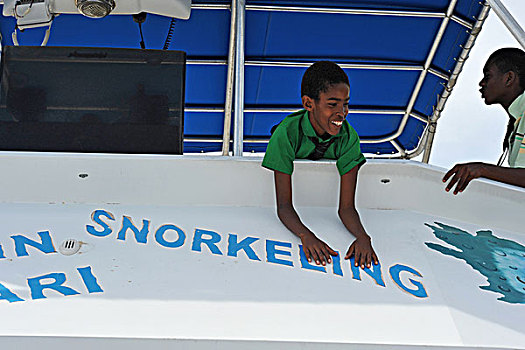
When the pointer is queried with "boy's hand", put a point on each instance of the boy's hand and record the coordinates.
(316, 249)
(363, 252)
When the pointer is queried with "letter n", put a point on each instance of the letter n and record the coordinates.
(45, 245)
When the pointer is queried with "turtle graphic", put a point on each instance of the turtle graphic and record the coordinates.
(501, 260)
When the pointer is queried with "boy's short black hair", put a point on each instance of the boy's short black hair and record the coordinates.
(320, 76)
(509, 59)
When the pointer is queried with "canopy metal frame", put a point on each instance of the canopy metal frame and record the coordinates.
(234, 102)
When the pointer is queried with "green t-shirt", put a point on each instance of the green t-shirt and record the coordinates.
(516, 141)
(290, 141)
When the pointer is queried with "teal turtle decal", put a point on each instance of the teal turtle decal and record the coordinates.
(501, 260)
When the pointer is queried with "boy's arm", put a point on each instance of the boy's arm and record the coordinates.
(313, 247)
(361, 248)
(464, 173)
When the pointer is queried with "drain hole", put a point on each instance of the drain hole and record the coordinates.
(82, 176)
(385, 181)
(69, 247)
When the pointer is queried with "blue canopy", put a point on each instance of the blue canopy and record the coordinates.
(385, 47)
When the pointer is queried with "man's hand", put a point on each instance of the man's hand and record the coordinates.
(316, 249)
(363, 252)
(463, 174)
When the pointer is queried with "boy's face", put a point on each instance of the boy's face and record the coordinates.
(328, 112)
(493, 84)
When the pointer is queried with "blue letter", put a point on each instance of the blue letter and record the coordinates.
(305, 264)
(37, 288)
(210, 242)
(271, 252)
(234, 246)
(89, 279)
(46, 246)
(95, 216)
(419, 292)
(2, 256)
(336, 264)
(375, 273)
(6, 294)
(159, 236)
(140, 236)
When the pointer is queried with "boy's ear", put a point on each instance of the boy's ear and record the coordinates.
(308, 102)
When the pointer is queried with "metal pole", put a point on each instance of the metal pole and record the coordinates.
(229, 82)
(239, 80)
(422, 75)
(508, 20)
(427, 145)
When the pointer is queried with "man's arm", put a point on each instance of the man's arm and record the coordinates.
(464, 173)
(361, 248)
(313, 247)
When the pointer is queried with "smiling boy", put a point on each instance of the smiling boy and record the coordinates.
(503, 83)
(320, 130)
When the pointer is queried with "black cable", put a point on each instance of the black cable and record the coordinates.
(170, 34)
(142, 44)
(140, 18)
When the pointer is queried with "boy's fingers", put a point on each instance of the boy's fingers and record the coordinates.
(315, 256)
(326, 253)
(376, 260)
(322, 256)
(332, 252)
(368, 259)
(357, 258)
(350, 252)
(307, 254)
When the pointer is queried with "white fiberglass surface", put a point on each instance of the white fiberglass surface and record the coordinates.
(235, 273)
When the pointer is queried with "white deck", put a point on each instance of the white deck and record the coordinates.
(160, 297)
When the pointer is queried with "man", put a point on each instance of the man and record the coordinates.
(503, 83)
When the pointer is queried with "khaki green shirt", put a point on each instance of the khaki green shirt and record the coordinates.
(290, 141)
(516, 142)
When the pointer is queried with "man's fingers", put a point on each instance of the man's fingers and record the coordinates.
(460, 183)
(374, 257)
(461, 186)
(449, 173)
(452, 182)
(331, 251)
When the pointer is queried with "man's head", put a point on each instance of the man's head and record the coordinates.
(503, 76)
(325, 91)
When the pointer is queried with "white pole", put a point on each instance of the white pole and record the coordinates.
(239, 81)
(229, 81)
(508, 20)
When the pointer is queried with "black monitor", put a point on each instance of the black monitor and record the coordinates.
(77, 99)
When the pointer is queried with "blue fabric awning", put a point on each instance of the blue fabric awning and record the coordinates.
(382, 45)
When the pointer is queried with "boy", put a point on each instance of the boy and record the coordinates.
(320, 131)
(503, 83)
